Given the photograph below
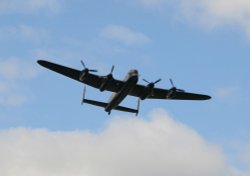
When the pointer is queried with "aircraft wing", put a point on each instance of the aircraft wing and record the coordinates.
(69, 72)
(115, 85)
(91, 79)
(159, 93)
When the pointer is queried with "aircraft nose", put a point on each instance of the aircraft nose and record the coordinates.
(134, 73)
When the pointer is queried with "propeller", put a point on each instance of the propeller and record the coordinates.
(107, 79)
(152, 83)
(173, 86)
(150, 88)
(111, 71)
(87, 69)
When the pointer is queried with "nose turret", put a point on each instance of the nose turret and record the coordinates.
(133, 72)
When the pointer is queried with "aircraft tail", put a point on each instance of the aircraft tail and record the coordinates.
(119, 108)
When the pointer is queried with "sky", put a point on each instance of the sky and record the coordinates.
(202, 45)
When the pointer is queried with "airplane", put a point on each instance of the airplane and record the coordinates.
(120, 88)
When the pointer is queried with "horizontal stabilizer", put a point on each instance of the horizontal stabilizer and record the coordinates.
(101, 104)
(96, 103)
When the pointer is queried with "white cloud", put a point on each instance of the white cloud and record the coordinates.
(226, 92)
(22, 32)
(124, 35)
(245, 156)
(214, 13)
(209, 13)
(151, 3)
(30, 6)
(242, 152)
(128, 146)
(15, 69)
(10, 95)
(13, 72)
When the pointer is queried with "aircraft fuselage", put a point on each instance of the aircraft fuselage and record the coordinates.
(130, 81)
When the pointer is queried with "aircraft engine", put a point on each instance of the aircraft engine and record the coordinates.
(149, 89)
(172, 92)
(83, 75)
(85, 71)
(107, 80)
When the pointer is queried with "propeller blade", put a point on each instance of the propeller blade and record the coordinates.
(152, 82)
(83, 64)
(112, 69)
(172, 83)
(173, 87)
(157, 81)
(146, 81)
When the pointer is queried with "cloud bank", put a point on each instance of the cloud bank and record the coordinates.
(30, 6)
(124, 35)
(128, 146)
(208, 13)
(15, 69)
(22, 32)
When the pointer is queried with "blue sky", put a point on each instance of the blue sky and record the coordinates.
(202, 45)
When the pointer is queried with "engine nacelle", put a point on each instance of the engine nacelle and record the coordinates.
(83, 75)
(147, 91)
(106, 81)
(171, 94)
